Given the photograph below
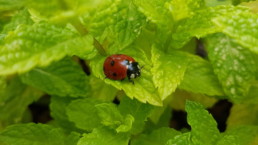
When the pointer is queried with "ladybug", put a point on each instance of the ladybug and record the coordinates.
(120, 66)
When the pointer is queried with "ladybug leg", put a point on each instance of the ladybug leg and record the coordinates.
(131, 81)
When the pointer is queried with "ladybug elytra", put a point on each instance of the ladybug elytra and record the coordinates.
(120, 66)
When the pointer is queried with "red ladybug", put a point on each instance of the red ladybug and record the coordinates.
(120, 66)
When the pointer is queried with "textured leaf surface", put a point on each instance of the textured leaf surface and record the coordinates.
(233, 64)
(184, 8)
(157, 137)
(22, 17)
(58, 107)
(156, 11)
(201, 24)
(244, 135)
(39, 45)
(62, 78)
(168, 71)
(36, 134)
(203, 126)
(200, 78)
(143, 88)
(243, 27)
(111, 116)
(115, 24)
(183, 139)
(138, 110)
(101, 90)
(103, 136)
(14, 100)
(83, 113)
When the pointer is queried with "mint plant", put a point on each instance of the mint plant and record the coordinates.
(57, 49)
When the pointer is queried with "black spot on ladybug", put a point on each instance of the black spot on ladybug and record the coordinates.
(104, 69)
(112, 63)
(114, 74)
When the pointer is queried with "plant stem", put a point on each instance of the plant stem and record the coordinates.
(83, 31)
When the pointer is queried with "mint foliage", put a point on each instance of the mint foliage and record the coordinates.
(22, 17)
(38, 134)
(104, 136)
(21, 98)
(182, 9)
(77, 109)
(200, 78)
(62, 78)
(183, 139)
(110, 116)
(201, 23)
(100, 90)
(156, 12)
(234, 71)
(242, 27)
(116, 32)
(168, 70)
(59, 114)
(38, 45)
(138, 110)
(203, 126)
(51, 72)
(157, 137)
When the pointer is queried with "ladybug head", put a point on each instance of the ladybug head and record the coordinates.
(133, 70)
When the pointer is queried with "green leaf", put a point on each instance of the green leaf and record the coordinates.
(243, 135)
(213, 3)
(82, 112)
(182, 139)
(182, 9)
(126, 124)
(58, 107)
(53, 7)
(157, 12)
(168, 71)
(100, 90)
(242, 114)
(11, 4)
(203, 126)
(39, 45)
(22, 17)
(233, 64)
(200, 78)
(111, 116)
(115, 24)
(143, 88)
(236, 2)
(36, 134)
(62, 78)
(201, 24)
(242, 27)
(14, 101)
(157, 137)
(180, 96)
(138, 110)
(101, 136)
